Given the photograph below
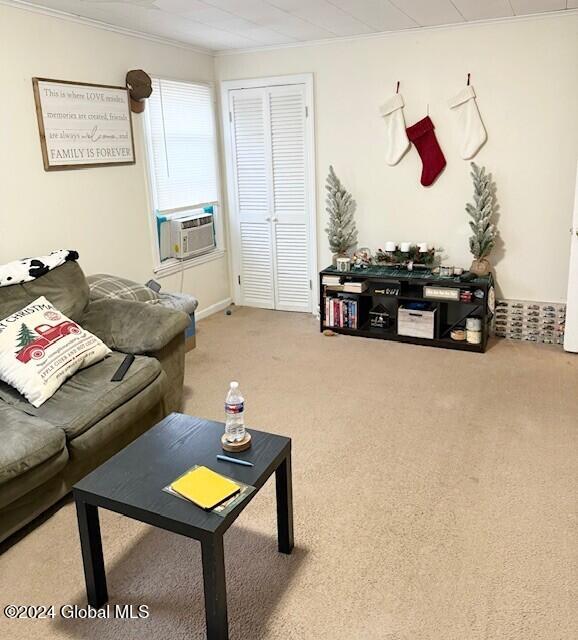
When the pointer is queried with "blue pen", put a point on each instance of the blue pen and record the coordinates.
(227, 459)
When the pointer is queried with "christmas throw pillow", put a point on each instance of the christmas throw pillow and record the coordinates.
(40, 348)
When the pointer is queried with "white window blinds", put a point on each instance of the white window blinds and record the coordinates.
(183, 145)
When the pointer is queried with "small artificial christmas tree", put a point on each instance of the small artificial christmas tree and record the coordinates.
(25, 337)
(481, 211)
(341, 230)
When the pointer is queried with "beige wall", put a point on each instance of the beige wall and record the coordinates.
(525, 75)
(101, 212)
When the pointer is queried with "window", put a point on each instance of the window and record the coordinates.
(182, 148)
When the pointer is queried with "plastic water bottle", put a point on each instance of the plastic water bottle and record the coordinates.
(234, 414)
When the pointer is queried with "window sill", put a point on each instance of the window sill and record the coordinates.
(172, 266)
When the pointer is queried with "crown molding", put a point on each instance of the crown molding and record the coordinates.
(104, 26)
(400, 32)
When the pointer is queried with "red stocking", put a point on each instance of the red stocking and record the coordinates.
(423, 137)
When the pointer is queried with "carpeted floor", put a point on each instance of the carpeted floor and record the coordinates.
(435, 499)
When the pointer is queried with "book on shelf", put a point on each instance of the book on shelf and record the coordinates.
(346, 287)
(341, 312)
(331, 280)
(355, 287)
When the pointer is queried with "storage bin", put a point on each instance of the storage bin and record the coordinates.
(417, 323)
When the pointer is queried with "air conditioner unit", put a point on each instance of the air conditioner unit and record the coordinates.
(187, 236)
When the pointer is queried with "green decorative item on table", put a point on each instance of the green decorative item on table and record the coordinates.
(340, 206)
(413, 257)
(481, 211)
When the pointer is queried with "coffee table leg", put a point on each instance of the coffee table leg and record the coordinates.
(215, 588)
(91, 545)
(284, 485)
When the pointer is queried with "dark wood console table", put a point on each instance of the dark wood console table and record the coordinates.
(394, 288)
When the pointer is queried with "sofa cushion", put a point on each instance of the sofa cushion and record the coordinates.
(27, 442)
(50, 471)
(119, 427)
(65, 287)
(89, 395)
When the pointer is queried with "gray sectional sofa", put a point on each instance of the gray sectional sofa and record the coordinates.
(45, 450)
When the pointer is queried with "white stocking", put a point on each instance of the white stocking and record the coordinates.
(397, 141)
(472, 131)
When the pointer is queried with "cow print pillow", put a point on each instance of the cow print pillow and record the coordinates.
(28, 269)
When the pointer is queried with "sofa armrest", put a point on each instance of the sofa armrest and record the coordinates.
(133, 327)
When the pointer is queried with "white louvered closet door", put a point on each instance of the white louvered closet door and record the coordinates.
(251, 152)
(273, 218)
(290, 204)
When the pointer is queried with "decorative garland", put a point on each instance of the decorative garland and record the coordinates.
(398, 258)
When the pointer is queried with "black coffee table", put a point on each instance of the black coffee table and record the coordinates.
(132, 482)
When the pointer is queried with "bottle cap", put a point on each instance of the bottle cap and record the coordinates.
(234, 385)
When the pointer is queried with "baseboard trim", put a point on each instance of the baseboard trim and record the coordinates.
(214, 308)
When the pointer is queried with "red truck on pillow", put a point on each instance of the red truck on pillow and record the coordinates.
(47, 335)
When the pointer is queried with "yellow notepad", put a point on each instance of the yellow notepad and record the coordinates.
(205, 488)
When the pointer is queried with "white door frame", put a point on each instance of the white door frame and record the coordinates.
(571, 328)
(232, 205)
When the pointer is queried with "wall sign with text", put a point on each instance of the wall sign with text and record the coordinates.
(83, 125)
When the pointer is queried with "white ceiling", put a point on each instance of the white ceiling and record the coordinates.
(233, 24)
